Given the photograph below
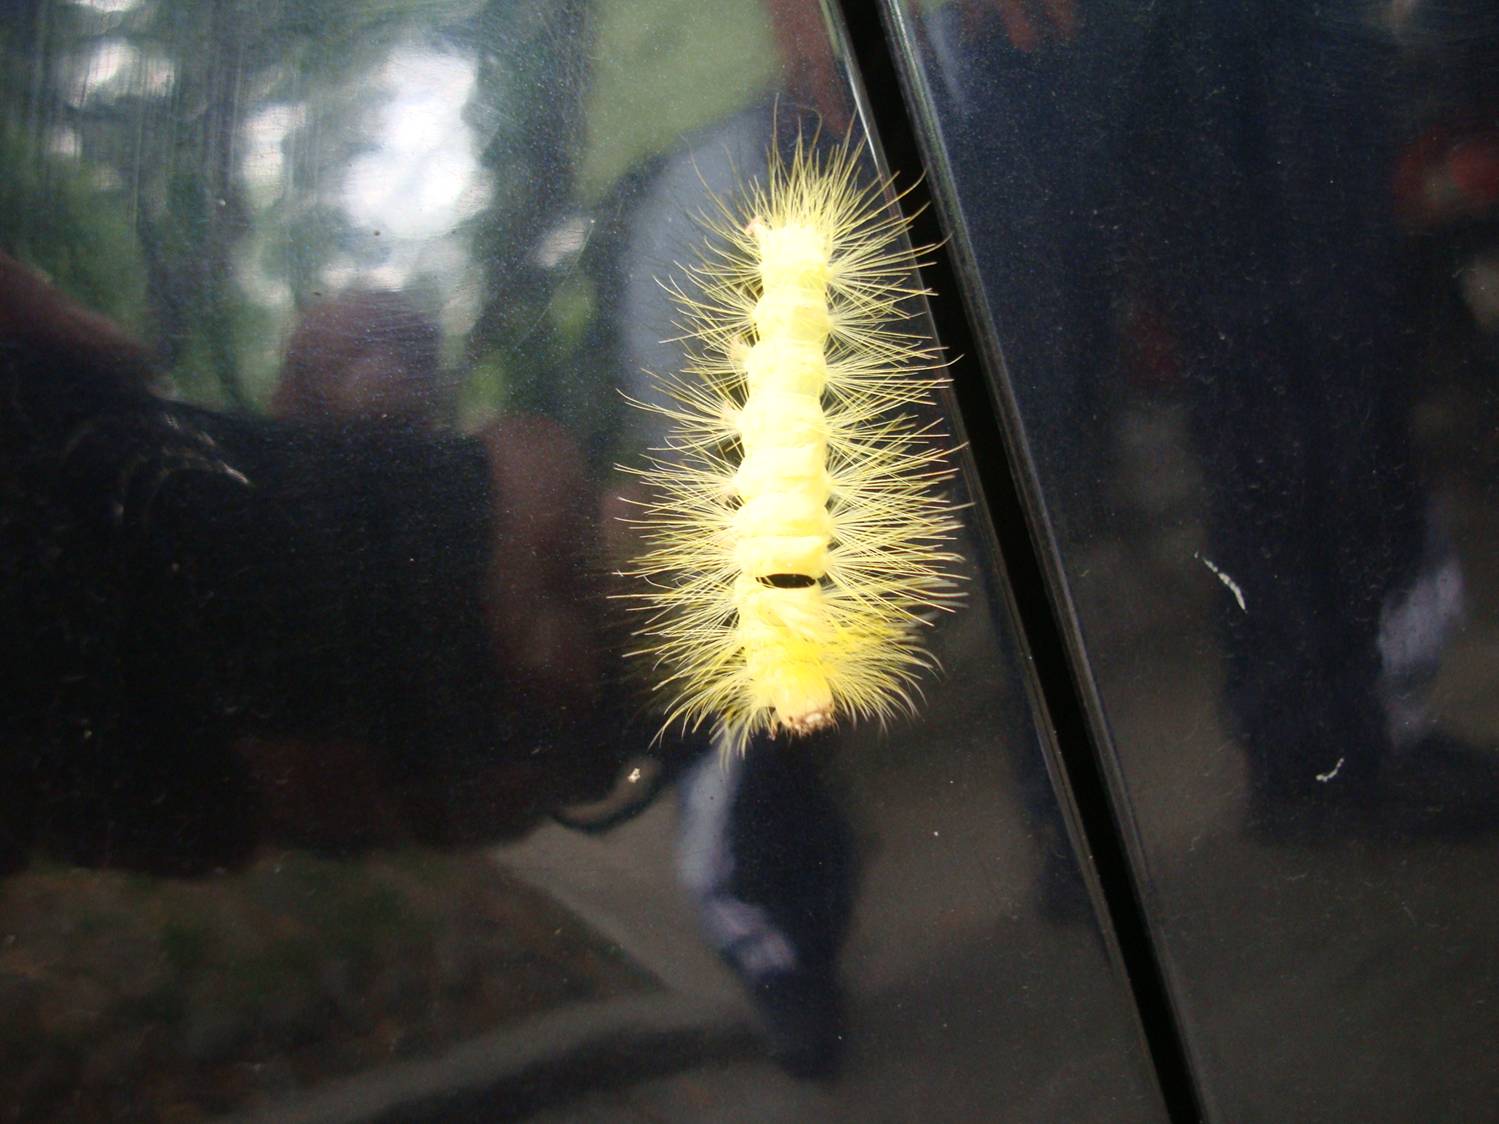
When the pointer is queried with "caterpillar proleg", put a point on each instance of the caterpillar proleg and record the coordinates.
(796, 530)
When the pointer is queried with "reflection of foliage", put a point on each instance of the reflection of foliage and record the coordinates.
(307, 235)
(669, 67)
(201, 998)
(54, 214)
(150, 105)
(528, 111)
(574, 101)
(130, 176)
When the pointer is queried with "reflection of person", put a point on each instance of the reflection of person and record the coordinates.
(763, 848)
(768, 857)
(371, 355)
(183, 581)
(370, 359)
(1263, 227)
(1294, 316)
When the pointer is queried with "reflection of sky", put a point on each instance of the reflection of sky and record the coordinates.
(264, 140)
(423, 177)
(113, 67)
(415, 179)
(418, 176)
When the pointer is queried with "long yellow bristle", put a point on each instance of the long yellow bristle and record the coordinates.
(796, 532)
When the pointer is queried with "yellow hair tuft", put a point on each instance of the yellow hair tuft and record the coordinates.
(795, 538)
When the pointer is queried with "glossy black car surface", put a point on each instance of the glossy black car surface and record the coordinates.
(327, 788)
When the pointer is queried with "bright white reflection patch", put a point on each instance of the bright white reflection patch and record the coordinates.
(264, 141)
(423, 177)
(113, 67)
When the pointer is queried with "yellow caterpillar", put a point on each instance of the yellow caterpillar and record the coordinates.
(795, 530)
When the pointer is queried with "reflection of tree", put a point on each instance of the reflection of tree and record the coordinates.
(546, 336)
(575, 101)
(156, 148)
(53, 213)
(528, 111)
(126, 138)
(193, 287)
(162, 152)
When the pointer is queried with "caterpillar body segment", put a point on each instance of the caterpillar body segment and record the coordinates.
(796, 530)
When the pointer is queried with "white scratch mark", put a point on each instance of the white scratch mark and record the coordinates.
(1327, 776)
(234, 474)
(1233, 586)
